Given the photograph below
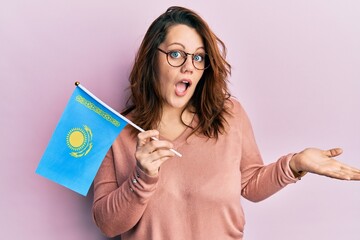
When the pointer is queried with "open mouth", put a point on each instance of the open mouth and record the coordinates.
(182, 86)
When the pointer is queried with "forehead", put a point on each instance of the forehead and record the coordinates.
(181, 34)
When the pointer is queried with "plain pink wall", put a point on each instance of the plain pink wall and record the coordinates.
(296, 69)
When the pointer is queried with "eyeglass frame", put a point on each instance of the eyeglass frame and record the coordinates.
(185, 58)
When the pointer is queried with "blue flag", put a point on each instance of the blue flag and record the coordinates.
(84, 134)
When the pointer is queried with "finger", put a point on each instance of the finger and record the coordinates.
(153, 146)
(346, 176)
(342, 172)
(349, 168)
(350, 172)
(162, 155)
(144, 137)
(340, 176)
(335, 172)
(355, 177)
(333, 152)
(142, 153)
(156, 159)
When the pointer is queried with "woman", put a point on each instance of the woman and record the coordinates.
(179, 90)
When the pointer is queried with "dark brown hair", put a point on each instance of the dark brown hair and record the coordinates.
(211, 93)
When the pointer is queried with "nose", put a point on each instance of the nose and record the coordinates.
(188, 66)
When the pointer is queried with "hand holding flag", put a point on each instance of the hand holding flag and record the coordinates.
(84, 134)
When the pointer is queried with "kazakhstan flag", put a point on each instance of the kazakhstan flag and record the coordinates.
(84, 134)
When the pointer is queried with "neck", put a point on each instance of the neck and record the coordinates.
(176, 115)
(172, 122)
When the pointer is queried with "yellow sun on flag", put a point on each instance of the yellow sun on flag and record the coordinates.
(76, 138)
(79, 141)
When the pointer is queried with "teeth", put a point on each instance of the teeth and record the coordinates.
(187, 83)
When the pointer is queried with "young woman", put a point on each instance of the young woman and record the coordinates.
(179, 91)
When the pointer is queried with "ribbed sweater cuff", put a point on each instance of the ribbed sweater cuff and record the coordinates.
(287, 170)
(142, 185)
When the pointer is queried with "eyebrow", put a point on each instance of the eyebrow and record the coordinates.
(182, 45)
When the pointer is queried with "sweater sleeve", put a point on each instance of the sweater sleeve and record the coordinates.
(260, 181)
(118, 207)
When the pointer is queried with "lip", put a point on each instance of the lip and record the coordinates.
(185, 80)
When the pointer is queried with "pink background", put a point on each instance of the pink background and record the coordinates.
(296, 69)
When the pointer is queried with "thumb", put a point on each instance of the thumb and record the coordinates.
(333, 152)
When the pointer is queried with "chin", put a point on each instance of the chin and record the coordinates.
(177, 104)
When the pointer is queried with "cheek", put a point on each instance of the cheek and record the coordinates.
(166, 80)
(164, 69)
(168, 75)
(163, 75)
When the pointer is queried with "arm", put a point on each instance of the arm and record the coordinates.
(117, 209)
(259, 181)
(126, 181)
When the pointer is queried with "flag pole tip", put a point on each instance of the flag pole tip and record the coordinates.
(77, 83)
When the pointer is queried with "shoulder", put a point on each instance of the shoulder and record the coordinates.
(237, 117)
(234, 107)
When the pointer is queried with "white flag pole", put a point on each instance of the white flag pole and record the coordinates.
(119, 115)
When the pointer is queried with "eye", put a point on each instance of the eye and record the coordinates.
(199, 57)
(175, 54)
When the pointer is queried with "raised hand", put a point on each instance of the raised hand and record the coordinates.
(322, 162)
(151, 154)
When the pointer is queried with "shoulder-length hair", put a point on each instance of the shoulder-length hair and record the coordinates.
(211, 93)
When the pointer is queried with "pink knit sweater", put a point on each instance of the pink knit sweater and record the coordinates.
(196, 196)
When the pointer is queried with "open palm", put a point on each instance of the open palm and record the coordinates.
(322, 162)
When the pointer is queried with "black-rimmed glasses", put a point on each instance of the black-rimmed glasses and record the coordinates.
(177, 58)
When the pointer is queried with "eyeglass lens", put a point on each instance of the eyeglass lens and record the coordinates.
(177, 58)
